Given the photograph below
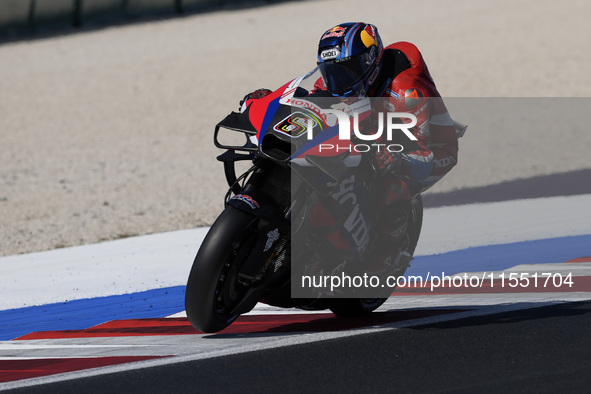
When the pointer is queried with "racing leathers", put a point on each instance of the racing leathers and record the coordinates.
(407, 86)
(406, 83)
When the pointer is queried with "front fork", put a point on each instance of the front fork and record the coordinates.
(251, 197)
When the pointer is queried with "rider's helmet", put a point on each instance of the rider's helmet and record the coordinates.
(349, 58)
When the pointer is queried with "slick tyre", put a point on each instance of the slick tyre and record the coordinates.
(213, 288)
(353, 307)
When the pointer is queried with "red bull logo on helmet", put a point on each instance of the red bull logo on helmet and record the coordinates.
(336, 31)
(368, 36)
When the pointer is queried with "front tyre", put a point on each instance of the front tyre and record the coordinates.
(213, 289)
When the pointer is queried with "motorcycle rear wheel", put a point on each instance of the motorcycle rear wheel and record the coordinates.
(353, 307)
(213, 289)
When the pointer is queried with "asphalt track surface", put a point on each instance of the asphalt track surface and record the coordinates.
(521, 343)
(528, 351)
(562, 184)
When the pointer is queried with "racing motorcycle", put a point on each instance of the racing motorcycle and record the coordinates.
(300, 210)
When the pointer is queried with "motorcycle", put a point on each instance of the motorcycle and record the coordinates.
(301, 210)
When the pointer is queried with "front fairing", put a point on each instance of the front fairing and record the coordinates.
(287, 112)
(290, 127)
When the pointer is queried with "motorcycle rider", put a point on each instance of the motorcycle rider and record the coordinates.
(354, 63)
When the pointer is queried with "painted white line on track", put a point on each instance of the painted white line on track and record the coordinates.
(164, 260)
(139, 263)
(268, 343)
(19, 345)
(458, 227)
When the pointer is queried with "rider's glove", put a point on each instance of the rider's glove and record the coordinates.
(257, 94)
(390, 163)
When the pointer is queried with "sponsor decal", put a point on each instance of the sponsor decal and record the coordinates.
(330, 54)
(356, 225)
(301, 103)
(424, 129)
(393, 93)
(336, 31)
(376, 58)
(370, 29)
(373, 54)
(447, 161)
(423, 108)
(247, 199)
(412, 97)
(295, 124)
(389, 106)
(368, 37)
(272, 236)
(374, 75)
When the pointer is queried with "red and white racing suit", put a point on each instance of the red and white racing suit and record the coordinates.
(413, 91)
(407, 84)
(409, 88)
(405, 80)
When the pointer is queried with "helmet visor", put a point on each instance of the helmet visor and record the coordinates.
(341, 76)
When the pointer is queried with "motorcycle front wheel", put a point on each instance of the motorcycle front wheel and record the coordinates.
(213, 290)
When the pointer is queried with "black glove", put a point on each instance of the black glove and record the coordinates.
(257, 94)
